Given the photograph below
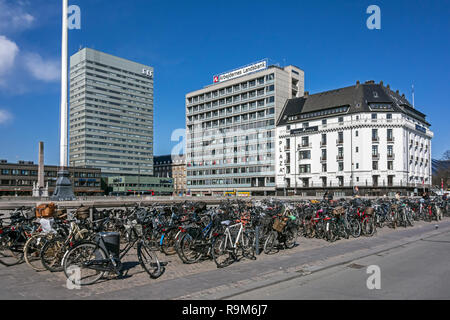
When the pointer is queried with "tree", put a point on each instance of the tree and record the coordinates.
(443, 171)
(446, 156)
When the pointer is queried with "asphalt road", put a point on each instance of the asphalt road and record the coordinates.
(418, 270)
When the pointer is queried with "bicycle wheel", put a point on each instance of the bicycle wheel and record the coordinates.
(52, 254)
(76, 263)
(220, 251)
(168, 242)
(368, 227)
(9, 254)
(355, 228)
(189, 251)
(248, 245)
(32, 251)
(291, 237)
(149, 260)
(271, 244)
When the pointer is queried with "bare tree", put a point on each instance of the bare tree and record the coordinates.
(446, 155)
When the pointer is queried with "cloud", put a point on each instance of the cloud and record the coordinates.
(8, 53)
(5, 117)
(14, 17)
(46, 70)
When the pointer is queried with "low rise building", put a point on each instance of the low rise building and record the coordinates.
(140, 185)
(19, 179)
(172, 166)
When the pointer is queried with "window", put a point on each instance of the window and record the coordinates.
(374, 116)
(375, 150)
(374, 165)
(305, 155)
(341, 119)
(357, 149)
(389, 116)
(324, 121)
(357, 166)
(390, 165)
(357, 133)
(324, 167)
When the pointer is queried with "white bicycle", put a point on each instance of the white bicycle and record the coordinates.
(228, 246)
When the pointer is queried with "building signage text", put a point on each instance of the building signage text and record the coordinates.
(241, 72)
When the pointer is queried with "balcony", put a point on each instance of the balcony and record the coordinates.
(323, 143)
(390, 139)
(340, 142)
(304, 145)
(323, 159)
(375, 156)
(391, 156)
(287, 148)
(376, 139)
(340, 157)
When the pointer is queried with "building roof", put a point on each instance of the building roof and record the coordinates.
(355, 99)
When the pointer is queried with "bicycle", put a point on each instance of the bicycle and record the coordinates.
(93, 259)
(227, 245)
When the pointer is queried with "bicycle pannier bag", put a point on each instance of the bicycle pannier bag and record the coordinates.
(45, 210)
(111, 243)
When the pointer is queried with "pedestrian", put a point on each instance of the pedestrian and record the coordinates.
(356, 192)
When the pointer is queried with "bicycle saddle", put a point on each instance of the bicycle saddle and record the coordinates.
(226, 222)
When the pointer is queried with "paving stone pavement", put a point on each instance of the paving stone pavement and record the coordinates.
(200, 280)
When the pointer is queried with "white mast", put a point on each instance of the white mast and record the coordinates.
(414, 106)
(64, 82)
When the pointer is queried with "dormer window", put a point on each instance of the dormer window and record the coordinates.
(375, 94)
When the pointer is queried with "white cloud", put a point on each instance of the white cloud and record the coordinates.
(8, 54)
(5, 116)
(46, 70)
(14, 17)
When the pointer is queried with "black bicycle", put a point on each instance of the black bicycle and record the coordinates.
(89, 261)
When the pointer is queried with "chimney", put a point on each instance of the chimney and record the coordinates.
(357, 83)
(41, 166)
(381, 82)
(388, 86)
(306, 94)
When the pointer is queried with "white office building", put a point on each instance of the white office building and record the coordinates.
(230, 129)
(364, 135)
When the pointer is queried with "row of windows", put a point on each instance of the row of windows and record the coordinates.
(242, 127)
(15, 172)
(231, 89)
(234, 99)
(232, 181)
(235, 109)
(229, 161)
(318, 114)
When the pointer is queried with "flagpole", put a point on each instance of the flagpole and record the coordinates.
(64, 85)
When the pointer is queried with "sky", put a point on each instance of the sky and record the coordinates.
(188, 42)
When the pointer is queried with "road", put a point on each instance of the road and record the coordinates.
(413, 261)
(419, 270)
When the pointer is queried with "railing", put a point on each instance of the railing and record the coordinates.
(323, 143)
(339, 142)
(339, 157)
(305, 145)
(376, 156)
(375, 139)
(323, 159)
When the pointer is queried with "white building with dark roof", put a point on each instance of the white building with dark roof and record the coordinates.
(364, 135)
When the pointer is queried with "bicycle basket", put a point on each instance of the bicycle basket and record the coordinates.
(279, 225)
(369, 211)
(45, 210)
(82, 213)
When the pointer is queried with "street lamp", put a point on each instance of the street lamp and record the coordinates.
(64, 189)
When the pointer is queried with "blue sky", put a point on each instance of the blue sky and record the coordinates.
(187, 42)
